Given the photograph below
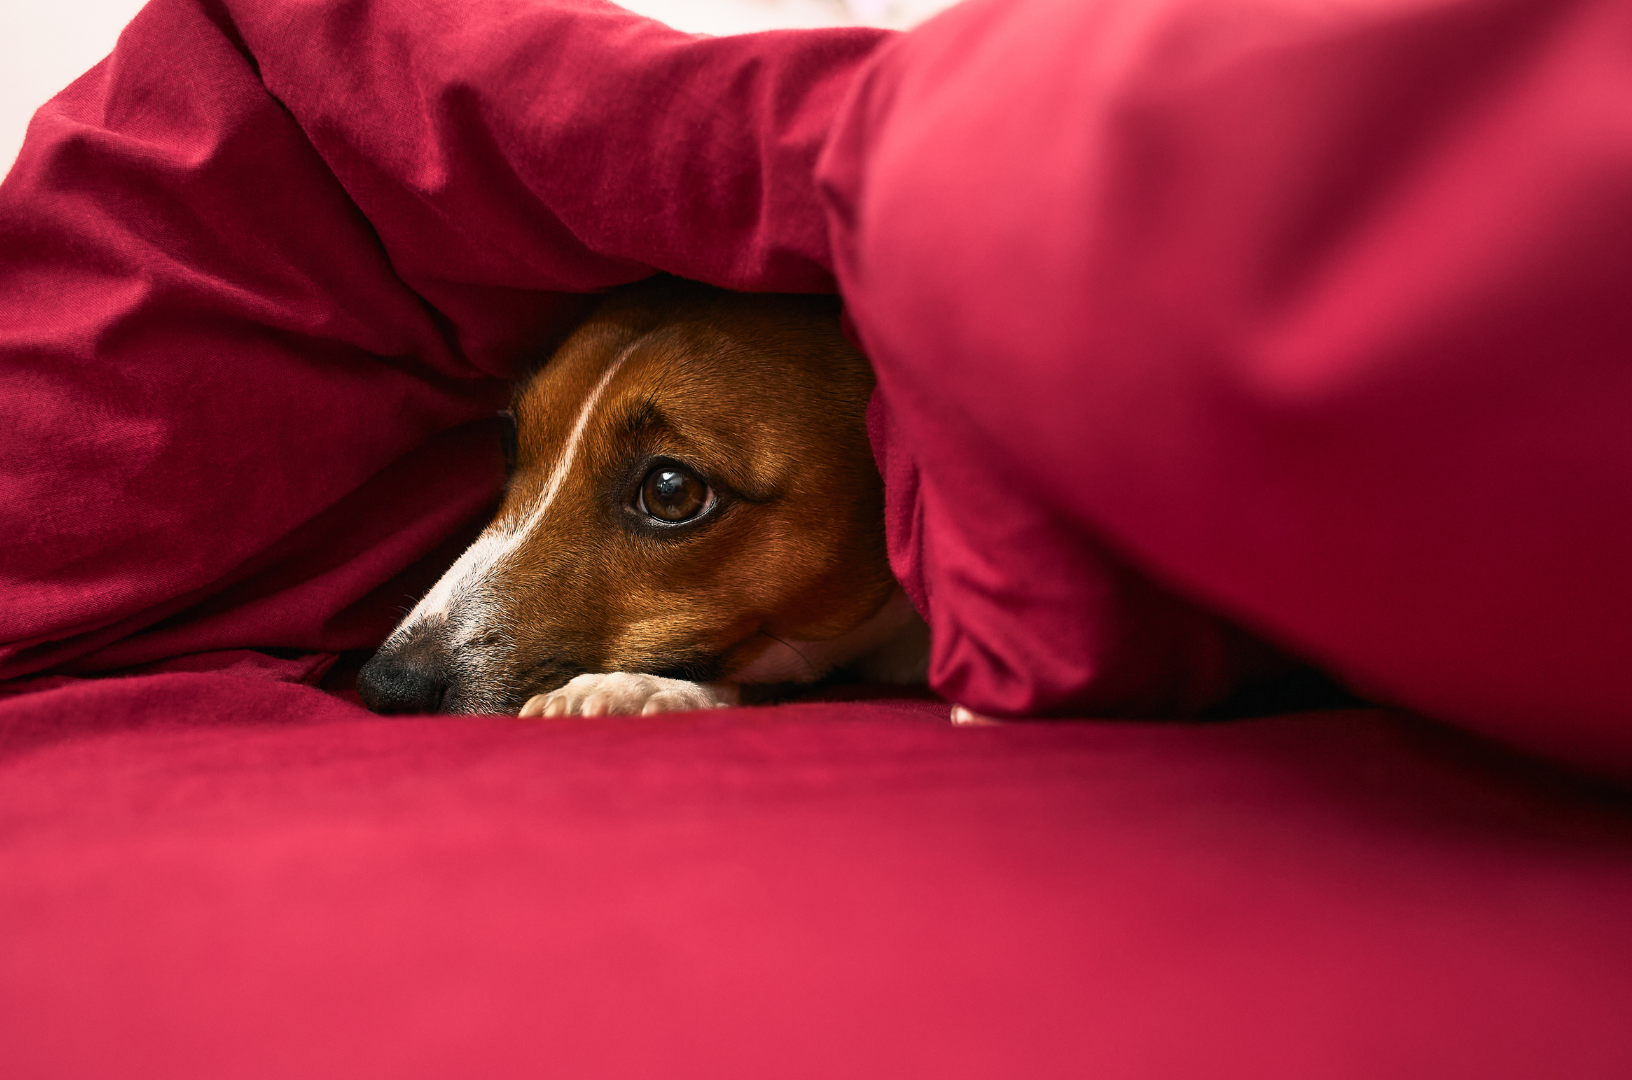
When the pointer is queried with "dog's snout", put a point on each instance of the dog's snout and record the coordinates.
(403, 681)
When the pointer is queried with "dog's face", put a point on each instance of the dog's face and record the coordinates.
(693, 481)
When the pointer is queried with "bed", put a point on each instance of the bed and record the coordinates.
(1218, 345)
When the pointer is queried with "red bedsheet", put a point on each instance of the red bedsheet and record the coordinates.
(1188, 316)
(253, 879)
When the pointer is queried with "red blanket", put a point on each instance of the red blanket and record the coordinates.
(1320, 315)
(1188, 316)
(269, 267)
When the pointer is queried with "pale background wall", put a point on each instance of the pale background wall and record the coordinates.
(46, 44)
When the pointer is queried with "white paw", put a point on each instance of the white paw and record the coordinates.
(623, 693)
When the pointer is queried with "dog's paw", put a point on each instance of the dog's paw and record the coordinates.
(623, 693)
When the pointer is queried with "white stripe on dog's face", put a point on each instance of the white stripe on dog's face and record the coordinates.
(498, 543)
(569, 453)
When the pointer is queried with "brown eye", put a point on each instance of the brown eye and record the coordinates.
(672, 495)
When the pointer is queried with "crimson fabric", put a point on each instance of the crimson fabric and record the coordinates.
(1312, 312)
(252, 879)
(267, 268)
(1320, 311)
(1182, 282)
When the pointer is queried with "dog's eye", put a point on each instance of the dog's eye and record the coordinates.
(672, 495)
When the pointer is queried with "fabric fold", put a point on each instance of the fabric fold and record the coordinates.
(1314, 312)
(266, 263)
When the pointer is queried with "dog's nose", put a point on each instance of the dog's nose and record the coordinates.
(405, 681)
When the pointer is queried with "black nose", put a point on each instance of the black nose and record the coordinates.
(403, 681)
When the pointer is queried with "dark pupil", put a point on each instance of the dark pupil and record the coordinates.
(672, 495)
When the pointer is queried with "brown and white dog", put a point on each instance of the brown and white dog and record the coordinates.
(693, 508)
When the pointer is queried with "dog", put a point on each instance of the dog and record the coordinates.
(693, 508)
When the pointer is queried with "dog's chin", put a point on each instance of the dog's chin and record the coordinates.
(498, 697)
(463, 703)
(474, 692)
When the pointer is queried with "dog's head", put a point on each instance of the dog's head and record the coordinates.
(692, 482)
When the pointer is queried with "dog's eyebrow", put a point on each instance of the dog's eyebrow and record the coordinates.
(642, 418)
(645, 419)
